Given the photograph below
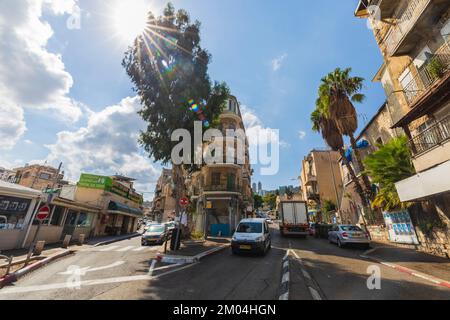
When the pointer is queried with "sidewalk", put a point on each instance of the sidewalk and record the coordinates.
(411, 261)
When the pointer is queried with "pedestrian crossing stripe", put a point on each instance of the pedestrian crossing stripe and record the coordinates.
(124, 249)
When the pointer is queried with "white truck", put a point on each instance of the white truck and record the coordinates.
(294, 218)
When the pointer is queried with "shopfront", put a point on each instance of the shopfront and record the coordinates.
(17, 205)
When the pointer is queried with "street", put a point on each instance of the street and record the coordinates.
(125, 270)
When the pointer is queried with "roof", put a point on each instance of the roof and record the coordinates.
(121, 208)
(253, 220)
(18, 189)
(361, 9)
(123, 178)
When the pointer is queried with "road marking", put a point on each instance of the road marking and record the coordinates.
(306, 274)
(286, 264)
(315, 294)
(125, 249)
(285, 277)
(139, 249)
(108, 248)
(56, 286)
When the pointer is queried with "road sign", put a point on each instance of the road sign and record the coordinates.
(184, 201)
(43, 213)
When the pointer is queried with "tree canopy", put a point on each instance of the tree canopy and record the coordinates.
(169, 70)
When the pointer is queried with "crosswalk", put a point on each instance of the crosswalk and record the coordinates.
(117, 248)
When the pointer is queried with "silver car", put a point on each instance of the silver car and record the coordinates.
(348, 234)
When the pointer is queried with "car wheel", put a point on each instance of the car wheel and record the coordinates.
(339, 243)
(234, 252)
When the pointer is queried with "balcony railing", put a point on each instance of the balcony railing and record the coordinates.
(430, 72)
(431, 137)
(405, 20)
(224, 188)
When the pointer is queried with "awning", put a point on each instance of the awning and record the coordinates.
(425, 184)
(118, 208)
(75, 205)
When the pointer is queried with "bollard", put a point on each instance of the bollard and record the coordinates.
(66, 241)
(81, 239)
(39, 247)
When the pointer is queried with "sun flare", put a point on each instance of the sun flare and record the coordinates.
(130, 18)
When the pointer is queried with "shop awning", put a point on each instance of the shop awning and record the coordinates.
(18, 190)
(74, 205)
(425, 184)
(118, 208)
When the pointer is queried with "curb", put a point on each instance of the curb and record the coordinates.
(313, 287)
(188, 260)
(13, 277)
(116, 240)
(411, 272)
(285, 278)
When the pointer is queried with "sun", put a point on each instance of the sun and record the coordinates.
(130, 18)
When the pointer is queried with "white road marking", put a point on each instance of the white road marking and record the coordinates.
(152, 266)
(285, 277)
(139, 249)
(306, 274)
(315, 294)
(56, 286)
(108, 248)
(125, 249)
(286, 264)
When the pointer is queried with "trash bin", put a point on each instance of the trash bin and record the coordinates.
(174, 244)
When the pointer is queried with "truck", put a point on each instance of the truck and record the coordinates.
(294, 219)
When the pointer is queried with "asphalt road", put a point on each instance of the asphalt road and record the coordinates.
(122, 271)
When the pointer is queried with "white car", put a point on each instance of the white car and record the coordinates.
(343, 235)
(252, 235)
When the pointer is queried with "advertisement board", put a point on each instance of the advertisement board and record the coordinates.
(400, 227)
(95, 182)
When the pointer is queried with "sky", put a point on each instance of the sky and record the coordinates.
(64, 96)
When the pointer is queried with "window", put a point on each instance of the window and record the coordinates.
(26, 175)
(380, 141)
(445, 31)
(71, 218)
(45, 176)
(350, 228)
(84, 220)
(13, 212)
(215, 179)
(250, 227)
(58, 215)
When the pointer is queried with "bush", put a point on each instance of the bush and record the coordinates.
(197, 235)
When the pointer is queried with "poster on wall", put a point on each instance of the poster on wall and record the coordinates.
(400, 227)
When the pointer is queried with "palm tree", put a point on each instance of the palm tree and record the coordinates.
(337, 92)
(330, 133)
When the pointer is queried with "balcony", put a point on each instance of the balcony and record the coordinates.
(405, 21)
(310, 179)
(436, 135)
(428, 74)
(312, 195)
(223, 188)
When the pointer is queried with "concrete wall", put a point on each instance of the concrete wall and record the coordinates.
(49, 234)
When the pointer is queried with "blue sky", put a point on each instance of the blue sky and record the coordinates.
(271, 53)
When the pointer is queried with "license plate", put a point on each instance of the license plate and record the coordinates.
(245, 247)
(357, 234)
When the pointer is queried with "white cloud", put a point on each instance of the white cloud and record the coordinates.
(30, 75)
(278, 62)
(301, 135)
(256, 131)
(107, 145)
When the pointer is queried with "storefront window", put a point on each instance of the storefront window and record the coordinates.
(13, 212)
(57, 217)
(71, 218)
(84, 220)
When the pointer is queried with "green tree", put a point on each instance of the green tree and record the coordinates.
(386, 166)
(169, 71)
(270, 200)
(258, 201)
(336, 117)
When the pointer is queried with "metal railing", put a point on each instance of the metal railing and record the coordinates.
(431, 137)
(225, 188)
(425, 76)
(405, 20)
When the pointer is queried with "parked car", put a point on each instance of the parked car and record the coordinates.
(155, 234)
(170, 225)
(252, 235)
(148, 224)
(265, 216)
(343, 235)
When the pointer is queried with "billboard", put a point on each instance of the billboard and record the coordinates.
(95, 182)
(400, 227)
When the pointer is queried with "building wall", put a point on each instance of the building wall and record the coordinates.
(30, 176)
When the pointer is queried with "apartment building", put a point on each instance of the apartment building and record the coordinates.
(321, 180)
(222, 192)
(164, 203)
(414, 39)
(39, 177)
(7, 175)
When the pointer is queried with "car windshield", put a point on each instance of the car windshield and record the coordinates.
(250, 227)
(155, 228)
(350, 228)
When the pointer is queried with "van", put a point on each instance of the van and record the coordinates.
(252, 235)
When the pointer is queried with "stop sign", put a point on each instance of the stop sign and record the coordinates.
(43, 213)
(184, 201)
